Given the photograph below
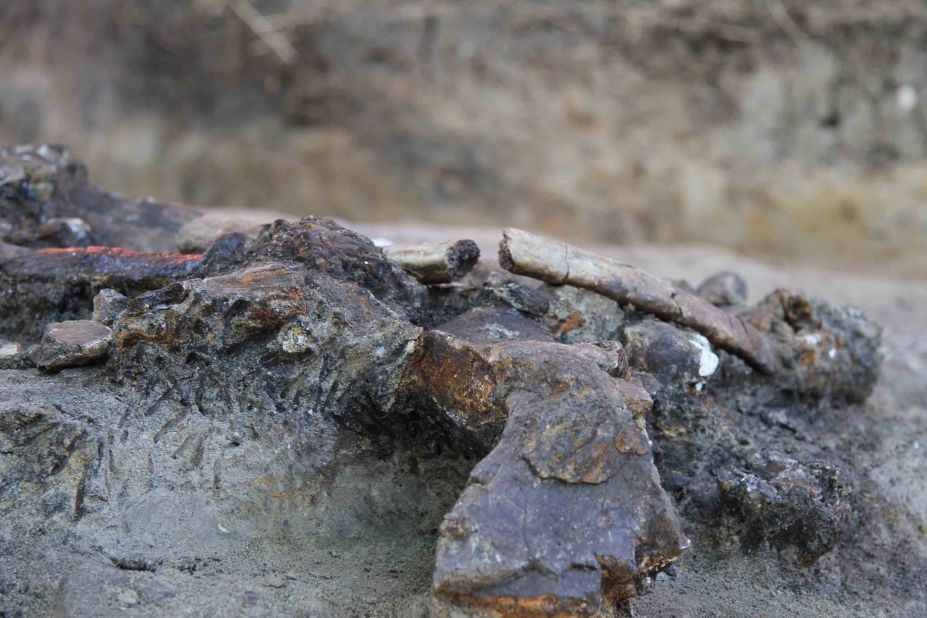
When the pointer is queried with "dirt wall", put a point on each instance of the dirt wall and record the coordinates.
(782, 129)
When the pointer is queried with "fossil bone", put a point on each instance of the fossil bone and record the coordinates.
(560, 263)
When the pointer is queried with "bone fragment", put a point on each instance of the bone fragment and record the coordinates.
(559, 263)
(436, 262)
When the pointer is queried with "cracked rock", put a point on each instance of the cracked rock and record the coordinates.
(827, 352)
(788, 503)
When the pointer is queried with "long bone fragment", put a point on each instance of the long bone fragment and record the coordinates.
(435, 262)
(559, 263)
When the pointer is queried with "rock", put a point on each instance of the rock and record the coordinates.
(107, 305)
(275, 335)
(54, 232)
(609, 356)
(70, 344)
(788, 503)
(529, 301)
(40, 183)
(578, 315)
(49, 285)
(672, 354)
(724, 289)
(134, 561)
(483, 288)
(828, 353)
(59, 284)
(487, 324)
(323, 246)
(10, 354)
(544, 525)
(29, 177)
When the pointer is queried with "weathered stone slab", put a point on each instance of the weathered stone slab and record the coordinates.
(71, 344)
(566, 512)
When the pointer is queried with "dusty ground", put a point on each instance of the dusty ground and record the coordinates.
(785, 129)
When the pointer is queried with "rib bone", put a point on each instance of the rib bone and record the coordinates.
(559, 263)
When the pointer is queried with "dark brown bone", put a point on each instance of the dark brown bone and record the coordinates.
(566, 511)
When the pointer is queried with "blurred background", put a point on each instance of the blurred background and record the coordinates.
(789, 130)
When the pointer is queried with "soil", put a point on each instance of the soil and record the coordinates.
(783, 129)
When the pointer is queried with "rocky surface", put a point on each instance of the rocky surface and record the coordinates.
(46, 199)
(291, 423)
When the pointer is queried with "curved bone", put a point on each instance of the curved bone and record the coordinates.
(559, 263)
